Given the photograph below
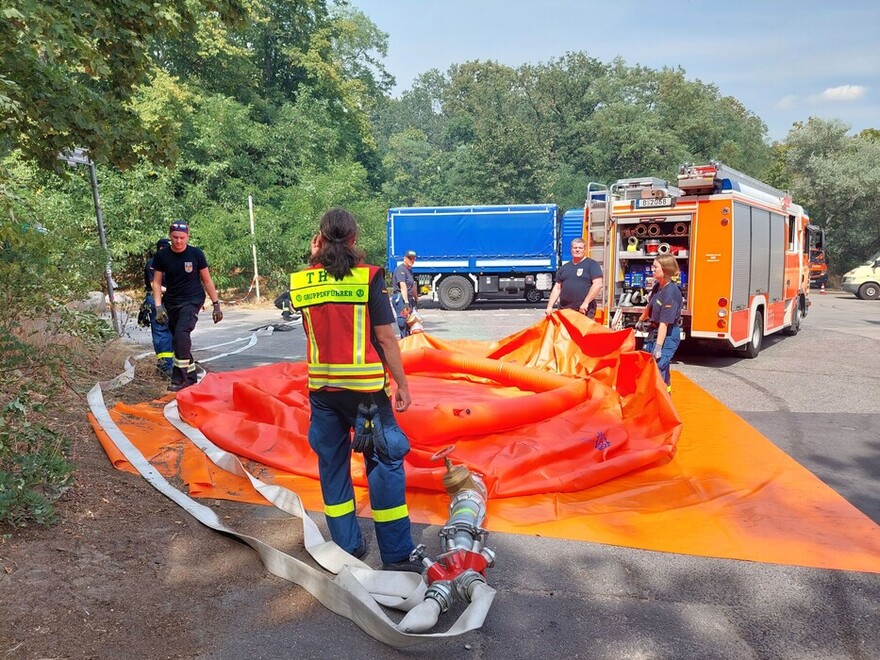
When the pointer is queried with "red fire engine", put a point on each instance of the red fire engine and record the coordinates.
(742, 246)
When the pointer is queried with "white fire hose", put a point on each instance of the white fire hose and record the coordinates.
(356, 592)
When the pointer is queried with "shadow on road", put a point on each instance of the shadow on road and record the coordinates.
(488, 305)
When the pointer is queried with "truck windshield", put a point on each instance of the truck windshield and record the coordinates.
(873, 259)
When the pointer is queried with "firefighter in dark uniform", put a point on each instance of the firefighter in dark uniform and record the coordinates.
(350, 329)
(161, 333)
(578, 282)
(183, 271)
(662, 315)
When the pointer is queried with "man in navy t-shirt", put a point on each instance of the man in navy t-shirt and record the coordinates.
(578, 282)
(183, 270)
(405, 297)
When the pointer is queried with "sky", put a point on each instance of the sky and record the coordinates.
(784, 60)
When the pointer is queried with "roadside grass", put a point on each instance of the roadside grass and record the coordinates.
(47, 366)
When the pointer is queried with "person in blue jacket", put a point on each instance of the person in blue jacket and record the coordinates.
(161, 333)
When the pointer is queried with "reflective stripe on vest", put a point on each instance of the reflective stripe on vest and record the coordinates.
(336, 320)
(390, 515)
(339, 510)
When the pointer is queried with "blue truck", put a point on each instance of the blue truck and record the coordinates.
(467, 253)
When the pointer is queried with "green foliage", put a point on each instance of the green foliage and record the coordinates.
(70, 70)
(39, 353)
(411, 163)
(33, 470)
(35, 270)
(487, 133)
(836, 177)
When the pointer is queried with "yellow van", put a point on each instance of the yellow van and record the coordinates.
(864, 280)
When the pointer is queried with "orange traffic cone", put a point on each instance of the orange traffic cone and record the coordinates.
(822, 289)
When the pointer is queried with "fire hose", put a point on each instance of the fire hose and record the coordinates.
(357, 591)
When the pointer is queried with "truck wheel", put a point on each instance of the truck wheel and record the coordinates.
(455, 293)
(869, 291)
(754, 346)
(796, 316)
(534, 295)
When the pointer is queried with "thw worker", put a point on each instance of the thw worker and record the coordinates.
(352, 338)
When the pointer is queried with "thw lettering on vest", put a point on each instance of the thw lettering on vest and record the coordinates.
(316, 286)
(322, 276)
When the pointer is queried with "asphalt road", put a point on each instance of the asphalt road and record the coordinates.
(816, 396)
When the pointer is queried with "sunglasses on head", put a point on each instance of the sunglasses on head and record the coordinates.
(179, 226)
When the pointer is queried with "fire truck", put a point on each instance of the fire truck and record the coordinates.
(742, 246)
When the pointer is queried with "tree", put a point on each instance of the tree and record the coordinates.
(709, 126)
(506, 157)
(563, 96)
(70, 70)
(420, 107)
(285, 49)
(411, 162)
(542, 132)
(836, 178)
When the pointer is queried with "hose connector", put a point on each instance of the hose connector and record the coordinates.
(442, 593)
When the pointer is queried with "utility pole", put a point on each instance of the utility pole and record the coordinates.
(80, 156)
(254, 246)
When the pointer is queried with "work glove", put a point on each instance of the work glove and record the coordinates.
(217, 315)
(658, 352)
(365, 428)
(643, 325)
(143, 318)
(161, 315)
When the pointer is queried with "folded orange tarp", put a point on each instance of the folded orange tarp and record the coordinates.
(575, 446)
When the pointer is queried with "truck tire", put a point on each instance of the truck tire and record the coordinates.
(456, 293)
(869, 291)
(757, 340)
(796, 317)
(534, 295)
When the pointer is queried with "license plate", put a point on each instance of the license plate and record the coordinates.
(652, 202)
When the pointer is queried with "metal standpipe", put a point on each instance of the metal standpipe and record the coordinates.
(459, 572)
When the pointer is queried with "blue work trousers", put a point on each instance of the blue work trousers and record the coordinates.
(670, 345)
(333, 416)
(161, 339)
(398, 304)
